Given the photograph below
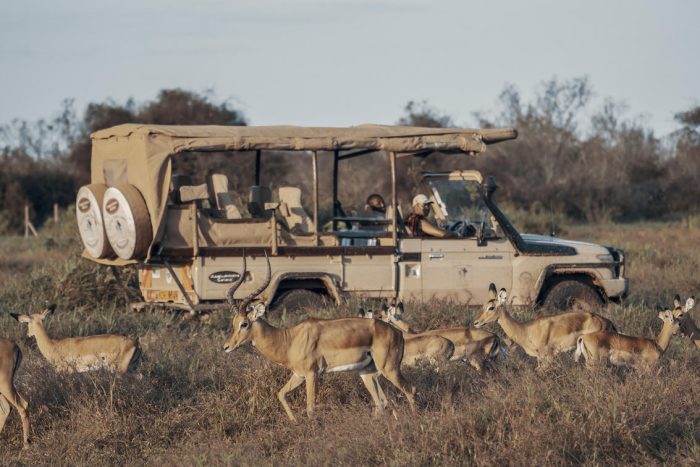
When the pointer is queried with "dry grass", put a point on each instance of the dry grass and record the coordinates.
(198, 406)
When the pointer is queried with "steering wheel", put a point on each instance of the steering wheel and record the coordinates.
(457, 227)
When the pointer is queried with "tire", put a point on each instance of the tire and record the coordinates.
(88, 212)
(572, 295)
(127, 222)
(298, 300)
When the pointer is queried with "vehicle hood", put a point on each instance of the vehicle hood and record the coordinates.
(543, 241)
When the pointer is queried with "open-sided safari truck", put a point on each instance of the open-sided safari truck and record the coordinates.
(188, 240)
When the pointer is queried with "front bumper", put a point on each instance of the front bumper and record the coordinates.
(616, 288)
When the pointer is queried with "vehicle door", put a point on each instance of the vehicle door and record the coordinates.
(461, 269)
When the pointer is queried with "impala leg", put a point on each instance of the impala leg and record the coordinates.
(311, 385)
(5, 409)
(293, 383)
(397, 379)
(373, 387)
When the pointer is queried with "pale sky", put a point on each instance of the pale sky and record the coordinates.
(338, 63)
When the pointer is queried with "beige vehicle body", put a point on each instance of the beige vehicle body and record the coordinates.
(198, 240)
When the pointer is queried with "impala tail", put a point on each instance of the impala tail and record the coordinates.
(579, 349)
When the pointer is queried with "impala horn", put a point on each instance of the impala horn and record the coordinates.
(247, 301)
(235, 286)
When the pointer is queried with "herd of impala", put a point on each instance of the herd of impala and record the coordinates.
(372, 344)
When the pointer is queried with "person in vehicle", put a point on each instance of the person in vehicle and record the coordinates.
(418, 222)
(375, 206)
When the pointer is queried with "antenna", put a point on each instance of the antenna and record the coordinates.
(551, 217)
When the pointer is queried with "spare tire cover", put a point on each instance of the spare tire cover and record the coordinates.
(127, 222)
(88, 211)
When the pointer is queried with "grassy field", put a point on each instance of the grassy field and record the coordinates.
(196, 405)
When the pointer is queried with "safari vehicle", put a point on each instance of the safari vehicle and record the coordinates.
(189, 240)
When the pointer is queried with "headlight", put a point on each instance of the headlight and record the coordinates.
(606, 258)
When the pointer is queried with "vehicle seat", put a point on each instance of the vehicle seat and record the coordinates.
(177, 181)
(221, 197)
(258, 196)
(291, 210)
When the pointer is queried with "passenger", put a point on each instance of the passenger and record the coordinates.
(375, 206)
(418, 222)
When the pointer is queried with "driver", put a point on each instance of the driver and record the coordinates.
(418, 222)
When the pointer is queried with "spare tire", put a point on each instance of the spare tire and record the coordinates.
(127, 222)
(88, 211)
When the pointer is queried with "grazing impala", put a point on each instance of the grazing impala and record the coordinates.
(621, 350)
(476, 346)
(687, 326)
(10, 359)
(435, 350)
(542, 337)
(317, 346)
(108, 351)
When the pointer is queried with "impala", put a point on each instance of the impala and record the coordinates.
(621, 350)
(317, 346)
(475, 346)
(10, 359)
(108, 351)
(542, 337)
(436, 350)
(687, 326)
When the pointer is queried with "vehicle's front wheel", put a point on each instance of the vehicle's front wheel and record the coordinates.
(298, 300)
(572, 295)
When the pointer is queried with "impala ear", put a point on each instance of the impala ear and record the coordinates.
(361, 313)
(49, 310)
(689, 304)
(677, 301)
(399, 307)
(20, 318)
(257, 311)
(502, 297)
(492, 291)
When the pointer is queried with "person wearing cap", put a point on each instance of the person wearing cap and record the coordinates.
(418, 222)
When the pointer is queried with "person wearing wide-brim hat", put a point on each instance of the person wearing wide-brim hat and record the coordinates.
(418, 222)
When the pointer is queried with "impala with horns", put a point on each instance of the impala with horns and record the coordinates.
(10, 360)
(109, 352)
(317, 346)
(435, 350)
(475, 346)
(687, 326)
(542, 337)
(620, 350)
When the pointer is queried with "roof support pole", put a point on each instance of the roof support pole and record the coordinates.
(394, 202)
(335, 189)
(257, 167)
(314, 159)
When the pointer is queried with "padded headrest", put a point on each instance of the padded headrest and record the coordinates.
(258, 196)
(290, 195)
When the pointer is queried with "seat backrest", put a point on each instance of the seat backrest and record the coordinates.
(291, 210)
(220, 196)
(257, 197)
(177, 181)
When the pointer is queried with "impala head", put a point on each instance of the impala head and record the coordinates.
(492, 308)
(679, 309)
(245, 313)
(394, 315)
(34, 321)
(668, 317)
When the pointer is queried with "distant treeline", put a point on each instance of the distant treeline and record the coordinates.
(569, 160)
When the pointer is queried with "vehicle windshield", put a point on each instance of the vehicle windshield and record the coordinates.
(459, 204)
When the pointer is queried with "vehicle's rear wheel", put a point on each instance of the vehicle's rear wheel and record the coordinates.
(572, 295)
(298, 300)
